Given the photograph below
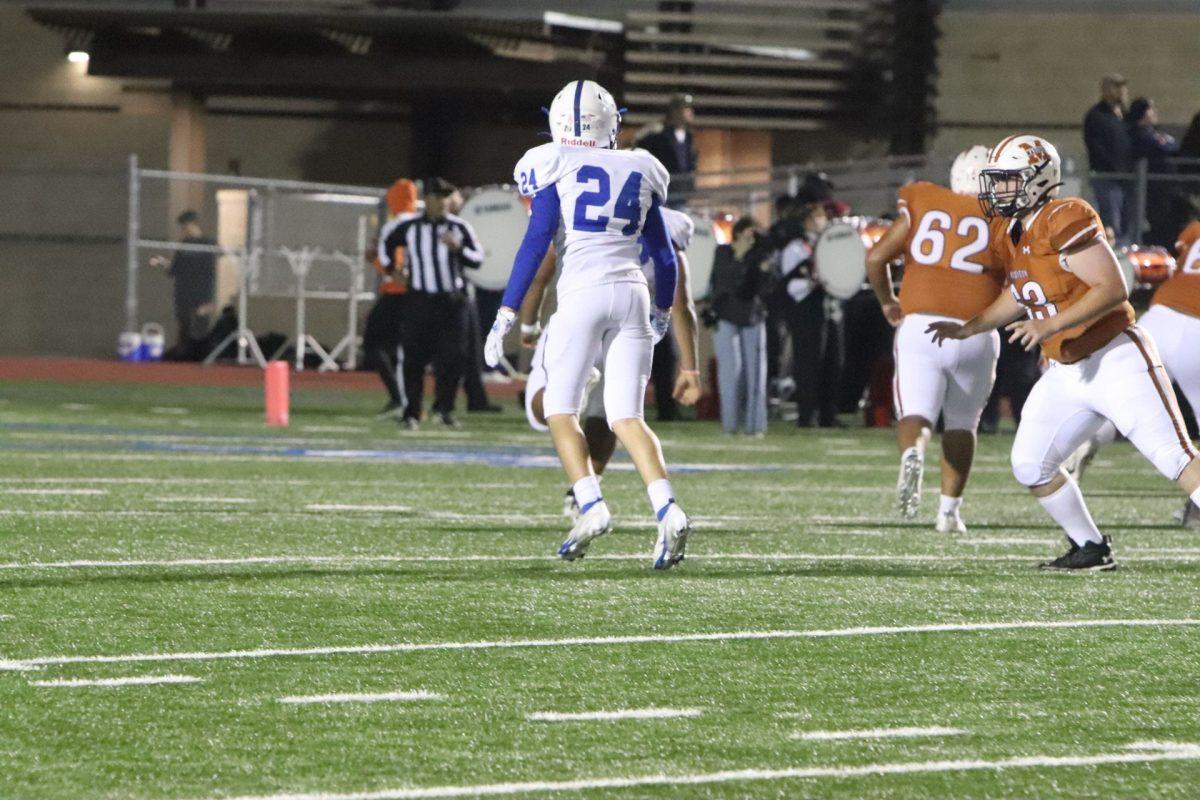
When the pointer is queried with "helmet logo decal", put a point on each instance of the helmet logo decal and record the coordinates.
(1036, 152)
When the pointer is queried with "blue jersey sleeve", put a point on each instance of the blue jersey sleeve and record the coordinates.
(658, 243)
(543, 223)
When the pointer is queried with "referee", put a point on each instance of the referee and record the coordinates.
(437, 246)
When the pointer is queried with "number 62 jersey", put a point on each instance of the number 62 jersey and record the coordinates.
(949, 270)
(604, 196)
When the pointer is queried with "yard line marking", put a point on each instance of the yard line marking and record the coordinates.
(72, 492)
(206, 500)
(1007, 540)
(76, 406)
(382, 697)
(876, 733)
(350, 561)
(334, 429)
(146, 680)
(169, 410)
(509, 644)
(608, 716)
(351, 507)
(1181, 752)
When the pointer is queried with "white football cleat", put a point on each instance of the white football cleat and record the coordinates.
(950, 523)
(672, 538)
(908, 485)
(570, 506)
(596, 521)
(1078, 462)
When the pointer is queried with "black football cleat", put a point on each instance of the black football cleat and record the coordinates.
(1092, 557)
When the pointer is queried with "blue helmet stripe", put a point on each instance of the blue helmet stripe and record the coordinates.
(578, 97)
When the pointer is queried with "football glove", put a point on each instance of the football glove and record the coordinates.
(660, 322)
(493, 348)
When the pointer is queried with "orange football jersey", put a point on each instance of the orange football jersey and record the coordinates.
(1038, 277)
(1182, 291)
(948, 267)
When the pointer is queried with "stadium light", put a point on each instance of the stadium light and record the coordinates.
(78, 57)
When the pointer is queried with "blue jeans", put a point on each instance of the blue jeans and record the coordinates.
(742, 376)
(1110, 205)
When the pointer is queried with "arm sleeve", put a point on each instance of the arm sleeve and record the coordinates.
(543, 223)
(663, 254)
(471, 253)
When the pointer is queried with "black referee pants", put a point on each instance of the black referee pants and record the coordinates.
(381, 343)
(435, 332)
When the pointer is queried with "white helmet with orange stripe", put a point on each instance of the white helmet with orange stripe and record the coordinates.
(964, 172)
(584, 114)
(1021, 174)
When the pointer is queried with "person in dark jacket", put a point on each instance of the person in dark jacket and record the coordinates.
(1156, 148)
(1108, 147)
(740, 279)
(195, 276)
(673, 145)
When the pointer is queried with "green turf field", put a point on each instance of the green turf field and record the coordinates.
(154, 531)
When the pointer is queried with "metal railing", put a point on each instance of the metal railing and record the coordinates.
(1147, 194)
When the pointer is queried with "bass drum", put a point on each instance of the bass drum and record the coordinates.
(499, 217)
(1151, 265)
(840, 258)
(701, 254)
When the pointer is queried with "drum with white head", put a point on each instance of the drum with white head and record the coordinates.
(840, 258)
(701, 254)
(499, 218)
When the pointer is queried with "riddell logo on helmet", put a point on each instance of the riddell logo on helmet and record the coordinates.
(577, 142)
(1036, 152)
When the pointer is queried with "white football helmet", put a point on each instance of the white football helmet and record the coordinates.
(1029, 171)
(584, 114)
(964, 172)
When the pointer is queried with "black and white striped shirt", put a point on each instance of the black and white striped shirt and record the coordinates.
(433, 268)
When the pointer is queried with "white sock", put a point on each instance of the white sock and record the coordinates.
(1067, 508)
(914, 449)
(1196, 497)
(661, 496)
(950, 505)
(587, 492)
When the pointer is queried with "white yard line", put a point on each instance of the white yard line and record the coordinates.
(76, 406)
(72, 492)
(1181, 752)
(202, 500)
(349, 561)
(168, 410)
(604, 641)
(876, 733)
(383, 697)
(147, 680)
(612, 716)
(1008, 540)
(351, 507)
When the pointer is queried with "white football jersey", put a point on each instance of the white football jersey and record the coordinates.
(680, 228)
(604, 196)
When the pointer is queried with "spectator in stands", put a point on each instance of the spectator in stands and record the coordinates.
(382, 349)
(740, 279)
(195, 276)
(1189, 146)
(1108, 148)
(672, 144)
(1155, 147)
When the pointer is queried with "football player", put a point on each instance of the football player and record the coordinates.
(1174, 322)
(601, 441)
(598, 205)
(949, 275)
(1064, 278)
